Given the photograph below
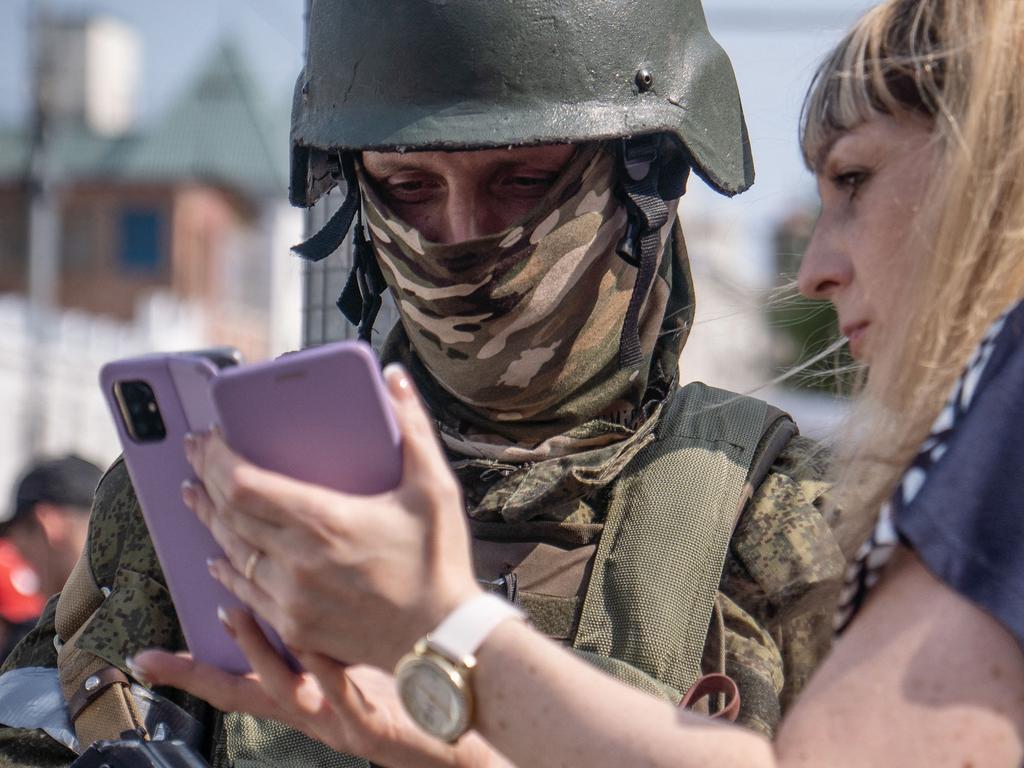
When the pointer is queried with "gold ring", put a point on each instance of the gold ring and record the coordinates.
(250, 564)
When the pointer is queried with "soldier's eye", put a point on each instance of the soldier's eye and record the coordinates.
(527, 185)
(411, 190)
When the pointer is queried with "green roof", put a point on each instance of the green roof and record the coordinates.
(219, 131)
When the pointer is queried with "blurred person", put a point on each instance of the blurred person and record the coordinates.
(20, 599)
(514, 178)
(913, 128)
(49, 521)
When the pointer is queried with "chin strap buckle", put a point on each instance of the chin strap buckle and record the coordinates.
(639, 154)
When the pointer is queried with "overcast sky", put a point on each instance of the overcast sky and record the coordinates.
(774, 45)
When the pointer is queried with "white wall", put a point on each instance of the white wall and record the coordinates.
(49, 385)
(283, 228)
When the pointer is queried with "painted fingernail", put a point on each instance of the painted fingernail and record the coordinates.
(188, 493)
(136, 671)
(211, 566)
(397, 377)
(223, 616)
(191, 443)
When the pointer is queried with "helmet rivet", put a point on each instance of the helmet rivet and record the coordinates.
(644, 80)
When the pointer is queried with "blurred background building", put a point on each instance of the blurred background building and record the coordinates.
(143, 205)
(120, 236)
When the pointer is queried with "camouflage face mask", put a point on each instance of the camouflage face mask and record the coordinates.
(523, 326)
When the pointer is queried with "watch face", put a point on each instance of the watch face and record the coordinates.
(433, 696)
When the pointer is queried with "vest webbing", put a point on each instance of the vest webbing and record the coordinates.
(669, 521)
(113, 711)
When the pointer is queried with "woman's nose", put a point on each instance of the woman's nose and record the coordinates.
(824, 267)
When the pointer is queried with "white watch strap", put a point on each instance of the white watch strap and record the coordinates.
(465, 629)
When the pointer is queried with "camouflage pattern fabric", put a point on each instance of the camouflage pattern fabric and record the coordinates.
(468, 435)
(780, 582)
(522, 327)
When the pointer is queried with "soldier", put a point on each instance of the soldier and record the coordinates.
(514, 171)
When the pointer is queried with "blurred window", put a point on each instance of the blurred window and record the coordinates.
(141, 240)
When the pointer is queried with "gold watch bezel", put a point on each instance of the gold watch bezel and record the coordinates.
(456, 673)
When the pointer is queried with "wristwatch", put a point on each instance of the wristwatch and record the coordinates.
(434, 679)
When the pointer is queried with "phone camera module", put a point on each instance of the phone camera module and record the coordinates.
(140, 411)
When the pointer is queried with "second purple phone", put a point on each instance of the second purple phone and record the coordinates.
(320, 415)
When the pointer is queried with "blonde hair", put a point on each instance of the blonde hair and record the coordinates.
(959, 64)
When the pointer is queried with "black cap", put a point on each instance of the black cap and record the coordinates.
(68, 481)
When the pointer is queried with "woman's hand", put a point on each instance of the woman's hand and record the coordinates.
(353, 578)
(351, 709)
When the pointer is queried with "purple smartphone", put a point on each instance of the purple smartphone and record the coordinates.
(320, 415)
(155, 401)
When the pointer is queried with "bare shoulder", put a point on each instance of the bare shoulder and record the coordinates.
(922, 678)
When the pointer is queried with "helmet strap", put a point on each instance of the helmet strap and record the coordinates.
(360, 299)
(332, 234)
(362, 304)
(639, 157)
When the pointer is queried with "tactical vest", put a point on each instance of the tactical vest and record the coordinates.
(633, 594)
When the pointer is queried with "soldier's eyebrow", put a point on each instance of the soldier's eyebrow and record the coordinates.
(386, 167)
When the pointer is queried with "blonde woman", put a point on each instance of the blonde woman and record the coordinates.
(915, 131)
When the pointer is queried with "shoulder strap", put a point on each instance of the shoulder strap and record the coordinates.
(667, 531)
(78, 600)
(98, 694)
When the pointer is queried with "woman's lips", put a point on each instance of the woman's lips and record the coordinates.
(855, 335)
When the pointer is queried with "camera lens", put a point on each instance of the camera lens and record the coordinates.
(140, 410)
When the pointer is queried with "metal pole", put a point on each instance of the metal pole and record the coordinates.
(43, 241)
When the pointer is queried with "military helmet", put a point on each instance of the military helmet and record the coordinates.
(467, 74)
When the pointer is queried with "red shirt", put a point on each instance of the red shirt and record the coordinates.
(20, 599)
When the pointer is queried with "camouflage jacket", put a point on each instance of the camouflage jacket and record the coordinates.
(771, 627)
